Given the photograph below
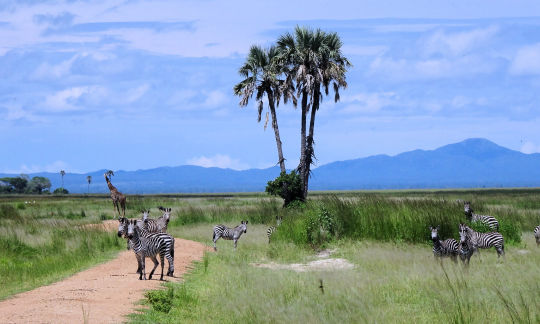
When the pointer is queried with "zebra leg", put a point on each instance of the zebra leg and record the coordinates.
(138, 263)
(162, 265)
(236, 240)
(215, 238)
(142, 275)
(170, 258)
(156, 263)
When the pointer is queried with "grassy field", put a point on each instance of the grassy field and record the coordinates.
(384, 235)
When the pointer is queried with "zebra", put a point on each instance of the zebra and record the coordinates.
(537, 235)
(147, 244)
(122, 232)
(156, 225)
(446, 248)
(485, 219)
(475, 240)
(272, 229)
(229, 233)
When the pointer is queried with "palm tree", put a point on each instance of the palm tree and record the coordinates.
(313, 60)
(260, 73)
(89, 179)
(62, 173)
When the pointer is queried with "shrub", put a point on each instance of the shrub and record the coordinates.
(286, 186)
(60, 191)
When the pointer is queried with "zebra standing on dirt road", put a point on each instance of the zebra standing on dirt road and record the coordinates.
(147, 244)
(229, 233)
(122, 232)
(537, 235)
(485, 219)
(481, 240)
(159, 224)
(446, 248)
(272, 229)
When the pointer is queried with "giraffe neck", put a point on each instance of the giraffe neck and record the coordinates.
(110, 185)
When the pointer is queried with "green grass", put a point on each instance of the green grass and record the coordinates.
(391, 282)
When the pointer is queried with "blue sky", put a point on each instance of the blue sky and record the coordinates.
(88, 85)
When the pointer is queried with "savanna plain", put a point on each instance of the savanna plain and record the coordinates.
(377, 247)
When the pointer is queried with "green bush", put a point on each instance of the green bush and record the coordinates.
(287, 186)
(60, 191)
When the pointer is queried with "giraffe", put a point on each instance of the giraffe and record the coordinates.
(116, 196)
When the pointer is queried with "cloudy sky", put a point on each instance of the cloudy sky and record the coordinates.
(88, 85)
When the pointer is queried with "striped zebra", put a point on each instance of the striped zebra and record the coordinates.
(537, 235)
(272, 229)
(147, 244)
(229, 233)
(122, 232)
(484, 219)
(156, 225)
(475, 240)
(446, 248)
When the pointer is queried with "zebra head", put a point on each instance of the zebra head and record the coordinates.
(145, 215)
(468, 209)
(122, 222)
(131, 228)
(243, 226)
(278, 220)
(166, 213)
(463, 233)
(434, 232)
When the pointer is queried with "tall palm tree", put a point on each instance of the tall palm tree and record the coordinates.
(260, 73)
(62, 173)
(313, 60)
(89, 179)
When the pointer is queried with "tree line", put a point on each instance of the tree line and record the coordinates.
(23, 184)
(301, 67)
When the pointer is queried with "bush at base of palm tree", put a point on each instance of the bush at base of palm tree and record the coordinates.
(287, 186)
(60, 191)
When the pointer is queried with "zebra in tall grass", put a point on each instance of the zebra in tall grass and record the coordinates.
(122, 232)
(446, 248)
(485, 219)
(537, 235)
(147, 244)
(229, 233)
(159, 224)
(475, 240)
(272, 229)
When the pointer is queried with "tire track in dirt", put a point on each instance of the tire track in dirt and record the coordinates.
(105, 293)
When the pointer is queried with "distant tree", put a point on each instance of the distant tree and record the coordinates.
(62, 173)
(89, 179)
(19, 183)
(5, 186)
(39, 185)
(60, 191)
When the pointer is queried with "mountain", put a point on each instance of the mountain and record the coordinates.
(470, 163)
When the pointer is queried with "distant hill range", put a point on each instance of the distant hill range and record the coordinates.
(473, 163)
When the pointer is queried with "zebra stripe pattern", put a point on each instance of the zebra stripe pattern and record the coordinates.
(446, 248)
(147, 244)
(156, 225)
(229, 233)
(537, 235)
(485, 219)
(122, 232)
(477, 240)
(272, 229)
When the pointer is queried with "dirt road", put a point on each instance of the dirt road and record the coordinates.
(103, 294)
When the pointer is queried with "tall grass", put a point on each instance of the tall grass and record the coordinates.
(37, 251)
(390, 283)
(383, 219)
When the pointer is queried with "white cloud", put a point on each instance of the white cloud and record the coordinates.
(529, 147)
(526, 61)
(64, 100)
(214, 99)
(367, 102)
(460, 43)
(55, 166)
(135, 94)
(219, 161)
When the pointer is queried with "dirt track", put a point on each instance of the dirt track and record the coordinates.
(103, 294)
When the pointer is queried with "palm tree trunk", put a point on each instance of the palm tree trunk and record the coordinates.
(302, 166)
(309, 145)
(276, 130)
